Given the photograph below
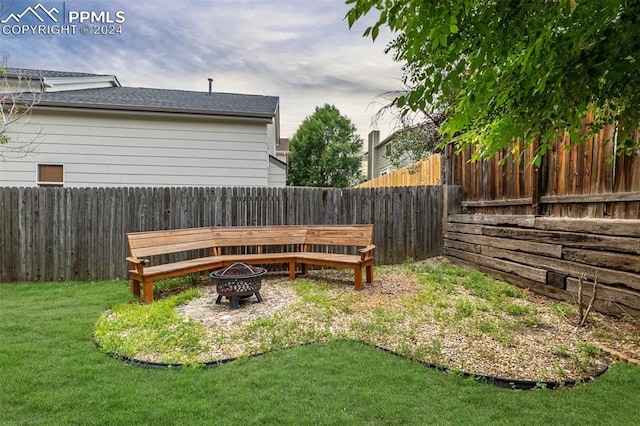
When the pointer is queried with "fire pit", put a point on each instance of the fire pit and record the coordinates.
(238, 281)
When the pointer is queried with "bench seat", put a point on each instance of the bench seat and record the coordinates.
(292, 245)
(338, 260)
(183, 267)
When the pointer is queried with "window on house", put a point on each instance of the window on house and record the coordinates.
(387, 150)
(386, 171)
(50, 175)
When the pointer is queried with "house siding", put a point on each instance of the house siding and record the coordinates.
(277, 175)
(141, 149)
(381, 160)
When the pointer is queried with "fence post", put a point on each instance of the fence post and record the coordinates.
(451, 203)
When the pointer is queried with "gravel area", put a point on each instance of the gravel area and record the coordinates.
(532, 338)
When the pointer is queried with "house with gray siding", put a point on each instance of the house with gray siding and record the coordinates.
(378, 152)
(87, 130)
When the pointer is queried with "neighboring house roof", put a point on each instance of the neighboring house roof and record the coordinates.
(277, 162)
(111, 96)
(163, 100)
(283, 145)
(31, 73)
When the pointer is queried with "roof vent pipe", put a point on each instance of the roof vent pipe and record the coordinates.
(210, 85)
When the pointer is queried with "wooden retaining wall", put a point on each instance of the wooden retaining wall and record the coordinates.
(51, 234)
(549, 254)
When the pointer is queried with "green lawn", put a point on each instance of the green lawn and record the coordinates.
(52, 373)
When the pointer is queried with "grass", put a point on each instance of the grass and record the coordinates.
(52, 373)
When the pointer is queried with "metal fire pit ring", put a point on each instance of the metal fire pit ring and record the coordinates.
(237, 281)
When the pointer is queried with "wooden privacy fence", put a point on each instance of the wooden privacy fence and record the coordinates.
(424, 172)
(584, 181)
(50, 234)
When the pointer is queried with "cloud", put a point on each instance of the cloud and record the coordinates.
(301, 51)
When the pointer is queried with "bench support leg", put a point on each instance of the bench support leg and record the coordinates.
(305, 268)
(147, 292)
(358, 278)
(369, 273)
(292, 270)
(135, 288)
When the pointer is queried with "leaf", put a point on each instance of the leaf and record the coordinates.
(374, 32)
(443, 40)
(453, 28)
(351, 17)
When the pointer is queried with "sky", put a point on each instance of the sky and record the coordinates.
(299, 50)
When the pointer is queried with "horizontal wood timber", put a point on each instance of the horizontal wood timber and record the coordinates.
(464, 264)
(605, 293)
(464, 228)
(614, 227)
(499, 203)
(532, 273)
(552, 250)
(460, 245)
(535, 286)
(623, 262)
(591, 198)
(494, 219)
(557, 199)
(568, 239)
(566, 267)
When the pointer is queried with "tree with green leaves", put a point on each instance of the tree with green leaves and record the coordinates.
(527, 70)
(414, 143)
(325, 151)
(417, 135)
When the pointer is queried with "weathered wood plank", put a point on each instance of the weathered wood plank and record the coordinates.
(499, 203)
(591, 198)
(535, 286)
(464, 264)
(523, 221)
(613, 227)
(606, 293)
(464, 228)
(568, 239)
(624, 262)
(566, 267)
(459, 245)
(553, 250)
(525, 271)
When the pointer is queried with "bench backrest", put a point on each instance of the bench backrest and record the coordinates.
(234, 236)
(152, 243)
(340, 235)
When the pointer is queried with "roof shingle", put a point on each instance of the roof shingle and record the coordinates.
(148, 99)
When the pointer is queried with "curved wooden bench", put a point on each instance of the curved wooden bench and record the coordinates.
(202, 249)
